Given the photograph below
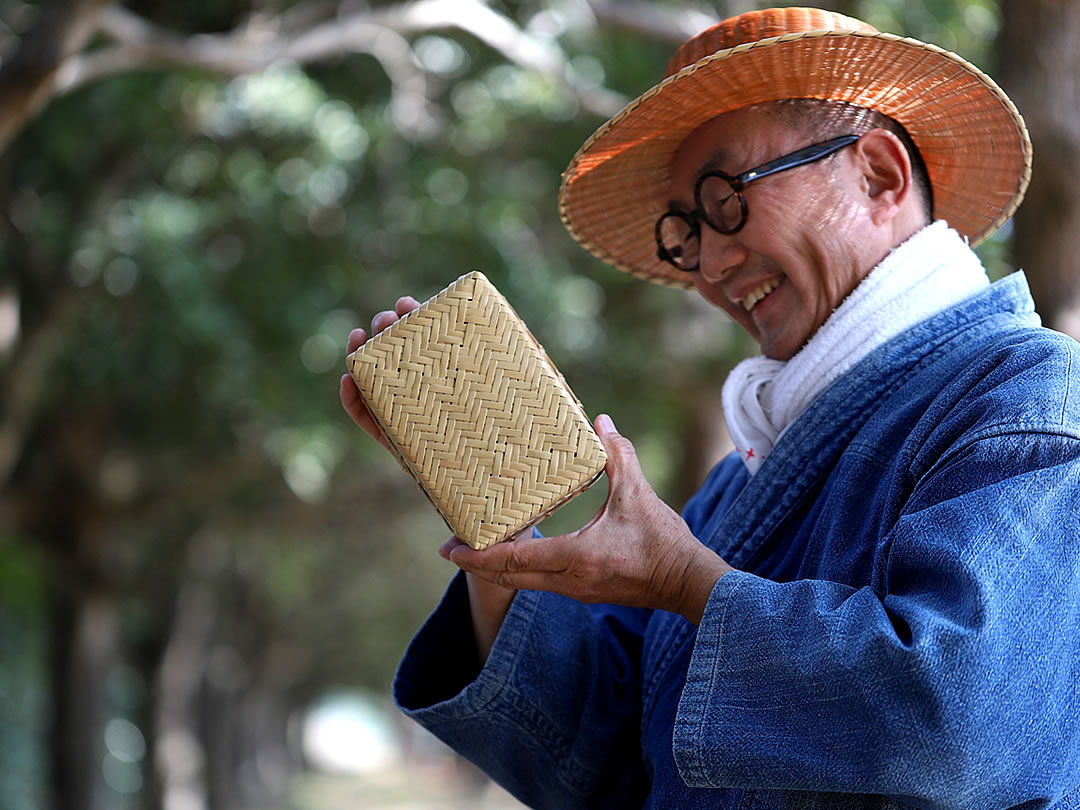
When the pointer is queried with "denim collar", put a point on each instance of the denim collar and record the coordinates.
(812, 444)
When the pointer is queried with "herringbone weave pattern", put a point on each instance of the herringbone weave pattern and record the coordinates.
(477, 413)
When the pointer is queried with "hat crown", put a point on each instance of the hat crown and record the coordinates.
(757, 25)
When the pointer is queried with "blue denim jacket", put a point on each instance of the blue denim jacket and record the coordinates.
(904, 629)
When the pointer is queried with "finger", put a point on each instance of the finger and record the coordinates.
(355, 407)
(357, 338)
(383, 320)
(622, 461)
(530, 581)
(456, 542)
(449, 546)
(354, 403)
(527, 554)
(405, 305)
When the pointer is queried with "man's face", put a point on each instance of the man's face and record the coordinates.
(799, 253)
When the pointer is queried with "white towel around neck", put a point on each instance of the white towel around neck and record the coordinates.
(928, 273)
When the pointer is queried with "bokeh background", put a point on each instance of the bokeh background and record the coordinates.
(207, 573)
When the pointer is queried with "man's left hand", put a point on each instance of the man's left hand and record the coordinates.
(636, 551)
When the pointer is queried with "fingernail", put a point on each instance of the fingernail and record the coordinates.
(605, 423)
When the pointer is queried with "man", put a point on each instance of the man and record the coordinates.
(873, 601)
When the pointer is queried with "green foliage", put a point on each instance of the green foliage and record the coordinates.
(221, 236)
(967, 27)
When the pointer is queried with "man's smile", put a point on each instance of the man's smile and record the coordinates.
(750, 300)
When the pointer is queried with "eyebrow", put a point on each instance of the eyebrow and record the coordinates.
(716, 162)
(713, 163)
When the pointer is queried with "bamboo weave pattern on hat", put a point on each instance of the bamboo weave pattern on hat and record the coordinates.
(477, 413)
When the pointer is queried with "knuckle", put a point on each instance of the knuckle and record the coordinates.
(515, 561)
(504, 579)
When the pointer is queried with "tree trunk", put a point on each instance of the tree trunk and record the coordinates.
(180, 760)
(86, 644)
(1039, 47)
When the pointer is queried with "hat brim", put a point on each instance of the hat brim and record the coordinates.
(972, 139)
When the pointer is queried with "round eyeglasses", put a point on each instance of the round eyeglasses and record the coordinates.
(722, 206)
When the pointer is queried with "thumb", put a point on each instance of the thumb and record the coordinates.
(622, 462)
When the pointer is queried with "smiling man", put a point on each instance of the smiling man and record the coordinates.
(872, 603)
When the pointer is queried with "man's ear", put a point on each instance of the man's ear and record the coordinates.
(886, 174)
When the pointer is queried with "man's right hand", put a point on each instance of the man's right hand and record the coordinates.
(350, 396)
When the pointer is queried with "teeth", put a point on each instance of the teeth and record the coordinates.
(756, 295)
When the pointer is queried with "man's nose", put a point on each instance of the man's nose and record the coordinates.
(720, 254)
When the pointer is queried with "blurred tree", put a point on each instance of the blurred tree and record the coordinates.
(1040, 61)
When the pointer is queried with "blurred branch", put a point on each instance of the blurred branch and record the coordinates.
(674, 26)
(27, 79)
(502, 35)
(254, 47)
(50, 61)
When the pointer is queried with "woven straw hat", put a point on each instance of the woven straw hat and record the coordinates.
(972, 139)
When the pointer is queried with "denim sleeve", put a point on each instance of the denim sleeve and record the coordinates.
(554, 714)
(956, 683)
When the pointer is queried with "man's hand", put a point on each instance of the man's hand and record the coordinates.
(350, 396)
(636, 551)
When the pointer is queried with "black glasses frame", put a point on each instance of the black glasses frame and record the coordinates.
(738, 182)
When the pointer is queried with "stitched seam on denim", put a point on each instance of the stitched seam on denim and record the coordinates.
(532, 719)
(1022, 427)
(525, 617)
(696, 767)
(1065, 399)
(1013, 429)
(541, 732)
(558, 746)
(489, 688)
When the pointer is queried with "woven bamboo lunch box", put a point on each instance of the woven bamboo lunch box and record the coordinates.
(477, 414)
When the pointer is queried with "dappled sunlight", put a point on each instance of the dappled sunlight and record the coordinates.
(364, 754)
(347, 733)
(125, 750)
